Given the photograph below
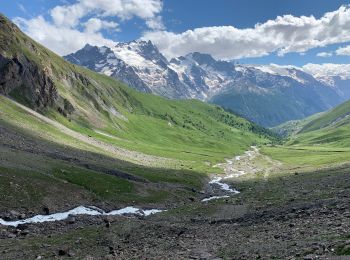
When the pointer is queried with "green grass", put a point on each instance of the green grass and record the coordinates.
(331, 117)
(187, 130)
(321, 140)
(103, 185)
(304, 156)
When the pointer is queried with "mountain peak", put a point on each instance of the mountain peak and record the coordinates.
(88, 47)
(201, 58)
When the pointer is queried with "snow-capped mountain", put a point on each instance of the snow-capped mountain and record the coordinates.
(336, 76)
(266, 94)
(138, 64)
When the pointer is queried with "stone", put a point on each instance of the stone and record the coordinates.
(62, 252)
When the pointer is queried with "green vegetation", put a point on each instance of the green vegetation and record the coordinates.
(320, 140)
(104, 109)
(268, 109)
(291, 128)
(103, 185)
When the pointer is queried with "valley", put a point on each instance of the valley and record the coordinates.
(91, 168)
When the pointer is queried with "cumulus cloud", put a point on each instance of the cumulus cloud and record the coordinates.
(328, 70)
(155, 23)
(61, 40)
(343, 51)
(71, 26)
(283, 35)
(94, 25)
(324, 54)
(69, 15)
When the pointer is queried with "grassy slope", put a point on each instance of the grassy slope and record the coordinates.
(193, 134)
(291, 128)
(188, 130)
(331, 129)
(322, 140)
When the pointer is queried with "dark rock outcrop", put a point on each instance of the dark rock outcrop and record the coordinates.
(24, 80)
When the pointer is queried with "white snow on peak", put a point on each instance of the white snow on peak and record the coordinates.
(326, 71)
(132, 57)
(281, 70)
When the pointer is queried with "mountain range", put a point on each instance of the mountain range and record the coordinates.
(84, 157)
(266, 94)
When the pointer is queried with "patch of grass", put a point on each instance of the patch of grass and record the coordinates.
(343, 250)
(312, 156)
(103, 185)
(31, 190)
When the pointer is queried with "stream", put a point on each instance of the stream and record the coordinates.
(231, 172)
(81, 210)
(217, 182)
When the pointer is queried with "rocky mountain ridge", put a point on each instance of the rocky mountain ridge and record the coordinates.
(266, 94)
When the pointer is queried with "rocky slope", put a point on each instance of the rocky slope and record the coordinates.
(268, 95)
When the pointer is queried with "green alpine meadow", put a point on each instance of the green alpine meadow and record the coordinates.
(178, 144)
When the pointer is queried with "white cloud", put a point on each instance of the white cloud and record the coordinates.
(282, 35)
(94, 25)
(61, 40)
(155, 23)
(328, 70)
(22, 8)
(324, 54)
(69, 15)
(63, 34)
(343, 51)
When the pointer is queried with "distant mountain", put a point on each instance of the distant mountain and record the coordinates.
(268, 95)
(138, 64)
(336, 76)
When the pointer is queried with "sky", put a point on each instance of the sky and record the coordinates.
(295, 32)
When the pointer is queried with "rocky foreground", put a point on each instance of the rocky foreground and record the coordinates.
(283, 215)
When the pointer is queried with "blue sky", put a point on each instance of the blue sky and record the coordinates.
(173, 24)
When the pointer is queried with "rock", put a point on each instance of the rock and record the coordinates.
(46, 210)
(181, 232)
(24, 233)
(22, 226)
(14, 214)
(71, 220)
(11, 235)
(62, 252)
(112, 251)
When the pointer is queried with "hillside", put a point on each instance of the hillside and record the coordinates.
(330, 128)
(291, 128)
(322, 140)
(112, 143)
(89, 102)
